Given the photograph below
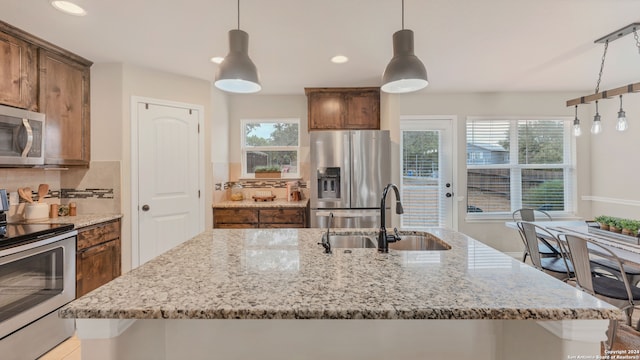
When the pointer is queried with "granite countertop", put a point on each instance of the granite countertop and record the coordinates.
(284, 274)
(277, 203)
(79, 220)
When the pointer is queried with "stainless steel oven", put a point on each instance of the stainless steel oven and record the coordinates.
(37, 277)
(21, 137)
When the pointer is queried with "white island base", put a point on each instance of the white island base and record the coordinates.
(106, 339)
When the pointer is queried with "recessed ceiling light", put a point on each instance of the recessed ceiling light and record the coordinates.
(217, 59)
(68, 7)
(339, 59)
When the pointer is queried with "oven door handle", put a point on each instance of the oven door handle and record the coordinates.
(27, 147)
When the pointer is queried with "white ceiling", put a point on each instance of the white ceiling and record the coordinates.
(466, 45)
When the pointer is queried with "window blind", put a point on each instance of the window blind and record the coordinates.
(515, 163)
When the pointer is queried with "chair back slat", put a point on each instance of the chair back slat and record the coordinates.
(578, 248)
(527, 214)
(530, 237)
(579, 255)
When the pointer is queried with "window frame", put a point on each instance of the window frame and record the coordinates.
(515, 168)
(244, 149)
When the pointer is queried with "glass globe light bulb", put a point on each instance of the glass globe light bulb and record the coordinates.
(576, 129)
(622, 124)
(576, 124)
(596, 128)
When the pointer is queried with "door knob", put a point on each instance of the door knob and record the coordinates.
(145, 207)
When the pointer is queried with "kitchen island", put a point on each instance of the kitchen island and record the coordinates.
(274, 294)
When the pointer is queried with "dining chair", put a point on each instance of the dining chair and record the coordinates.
(533, 235)
(546, 249)
(632, 273)
(619, 293)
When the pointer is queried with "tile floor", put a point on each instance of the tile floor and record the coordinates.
(68, 350)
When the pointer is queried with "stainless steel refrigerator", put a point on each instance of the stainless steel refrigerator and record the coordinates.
(349, 170)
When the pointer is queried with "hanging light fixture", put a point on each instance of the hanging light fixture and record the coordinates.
(405, 72)
(237, 73)
(576, 124)
(596, 128)
(622, 124)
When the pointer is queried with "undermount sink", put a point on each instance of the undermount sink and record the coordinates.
(419, 241)
(411, 241)
(350, 241)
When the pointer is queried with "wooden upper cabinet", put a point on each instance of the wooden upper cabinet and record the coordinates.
(18, 73)
(326, 110)
(40, 76)
(64, 98)
(343, 108)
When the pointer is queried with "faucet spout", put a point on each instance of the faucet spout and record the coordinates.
(383, 238)
(325, 243)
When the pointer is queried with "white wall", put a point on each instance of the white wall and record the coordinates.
(112, 88)
(219, 143)
(266, 107)
(615, 168)
(106, 112)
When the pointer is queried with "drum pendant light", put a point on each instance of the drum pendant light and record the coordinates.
(405, 72)
(237, 73)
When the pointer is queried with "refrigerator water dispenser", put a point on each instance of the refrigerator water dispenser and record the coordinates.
(329, 183)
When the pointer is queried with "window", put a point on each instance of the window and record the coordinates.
(271, 143)
(515, 163)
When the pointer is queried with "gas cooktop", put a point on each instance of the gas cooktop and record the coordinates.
(21, 233)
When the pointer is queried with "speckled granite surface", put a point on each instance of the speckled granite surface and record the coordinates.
(277, 203)
(81, 220)
(284, 274)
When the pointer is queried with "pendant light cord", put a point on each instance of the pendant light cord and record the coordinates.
(402, 14)
(238, 14)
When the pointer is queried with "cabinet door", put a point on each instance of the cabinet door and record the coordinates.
(326, 110)
(97, 266)
(235, 218)
(64, 98)
(363, 110)
(18, 73)
(282, 216)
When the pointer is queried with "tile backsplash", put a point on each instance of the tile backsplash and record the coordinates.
(94, 190)
(278, 187)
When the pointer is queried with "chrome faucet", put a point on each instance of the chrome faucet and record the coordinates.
(325, 241)
(383, 238)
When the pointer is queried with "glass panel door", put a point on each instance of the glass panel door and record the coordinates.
(426, 178)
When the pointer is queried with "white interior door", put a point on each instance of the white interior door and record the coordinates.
(427, 187)
(169, 172)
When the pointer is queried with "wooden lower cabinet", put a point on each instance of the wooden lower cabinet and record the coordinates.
(240, 218)
(98, 256)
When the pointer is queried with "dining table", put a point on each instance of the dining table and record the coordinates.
(627, 248)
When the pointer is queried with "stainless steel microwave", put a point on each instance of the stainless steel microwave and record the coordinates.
(21, 137)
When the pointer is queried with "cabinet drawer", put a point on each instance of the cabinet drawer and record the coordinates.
(97, 234)
(235, 216)
(282, 216)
